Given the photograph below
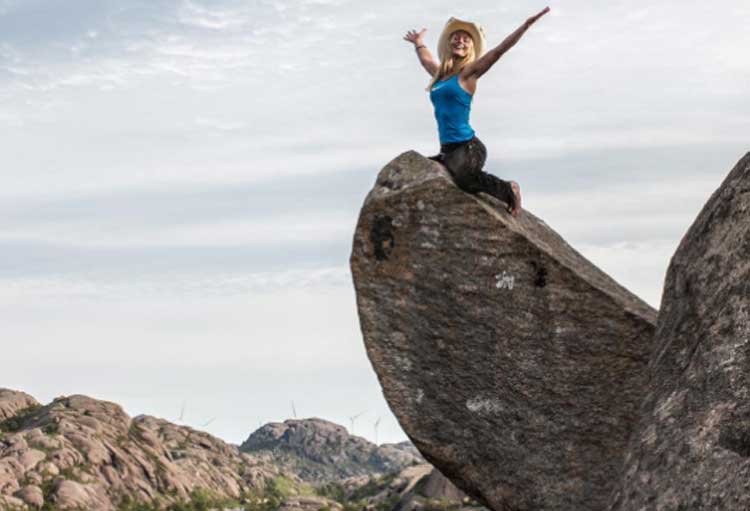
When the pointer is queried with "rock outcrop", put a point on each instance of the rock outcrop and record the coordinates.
(309, 503)
(82, 453)
(415, 488)
(13, 401)
(691, 449)
(319, 451)
(514, 365)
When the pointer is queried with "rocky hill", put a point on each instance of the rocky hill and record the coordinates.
(320, 451)
(82, 453)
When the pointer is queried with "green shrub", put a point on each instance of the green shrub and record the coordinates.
(15, 423)
(333, 490)
(51, 429)
(200, 500)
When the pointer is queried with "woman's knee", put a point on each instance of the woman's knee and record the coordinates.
(466, 180)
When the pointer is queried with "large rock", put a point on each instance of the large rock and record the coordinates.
(309, 503)
(74, 495)
(691, 449)
(438, 486)
(13, 401)
(32, 496)
(513, 363)
(415, 488)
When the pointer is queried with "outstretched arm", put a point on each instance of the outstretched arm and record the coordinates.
(485, 62)
(423, 54)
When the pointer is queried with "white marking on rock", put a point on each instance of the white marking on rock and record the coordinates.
(420, 395)
(398, 339)
(404, 363)
(505, 280)
(486, 405)
(666, 407)
(432, 233)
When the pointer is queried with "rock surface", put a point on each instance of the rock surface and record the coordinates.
(13, 401)
(82, 453)
(309, 503)
(415, 488)
(691, 449)
(514, 365)
(320, 451)
(31, 495)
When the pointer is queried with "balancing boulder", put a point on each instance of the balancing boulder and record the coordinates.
(513, 363)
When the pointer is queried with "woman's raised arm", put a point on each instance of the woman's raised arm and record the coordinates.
(485, 62)
(423, 54)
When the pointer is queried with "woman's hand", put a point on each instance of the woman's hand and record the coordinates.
(415, 37)
(486, 61)
(533, 19)
(425, 57)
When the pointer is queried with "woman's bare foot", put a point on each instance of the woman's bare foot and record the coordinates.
(517, 194)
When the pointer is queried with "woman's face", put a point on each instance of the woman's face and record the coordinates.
(460, 42)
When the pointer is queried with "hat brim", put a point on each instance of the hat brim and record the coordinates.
(474, 29)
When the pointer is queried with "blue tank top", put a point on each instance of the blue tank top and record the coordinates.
(452, 107)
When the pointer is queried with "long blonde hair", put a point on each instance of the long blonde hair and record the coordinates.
(446, 65)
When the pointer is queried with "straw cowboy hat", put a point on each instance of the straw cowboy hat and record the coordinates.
(474, 29)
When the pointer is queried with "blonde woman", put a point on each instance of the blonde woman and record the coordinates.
(453, 84)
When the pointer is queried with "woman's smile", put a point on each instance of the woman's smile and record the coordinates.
(460, 42)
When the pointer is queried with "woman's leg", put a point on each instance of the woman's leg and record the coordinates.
(465, 164)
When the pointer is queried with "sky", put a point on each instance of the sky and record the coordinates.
(182, 178)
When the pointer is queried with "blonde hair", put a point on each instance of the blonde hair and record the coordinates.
(447, 64)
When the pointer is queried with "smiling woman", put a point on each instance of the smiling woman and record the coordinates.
(453, 84)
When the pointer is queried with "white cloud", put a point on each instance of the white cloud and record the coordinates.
(167, 286)
(94, 233)
(219, 125)
(212, 18)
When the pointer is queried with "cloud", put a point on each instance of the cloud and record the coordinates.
(93, 233)
(215, 18)
(193, 283)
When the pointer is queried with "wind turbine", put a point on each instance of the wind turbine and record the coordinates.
(377, 423)
(352, 419)
(181, 419)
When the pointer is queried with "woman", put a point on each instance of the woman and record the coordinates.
(453, 84)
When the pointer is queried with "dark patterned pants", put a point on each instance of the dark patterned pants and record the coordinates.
(464, 160)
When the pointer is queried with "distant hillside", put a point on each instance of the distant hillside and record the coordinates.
(79, 453)
(320, 451)
(82, 453)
